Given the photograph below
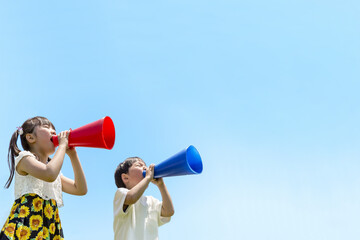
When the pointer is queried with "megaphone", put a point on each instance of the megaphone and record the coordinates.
(98, 134)
(185, 162)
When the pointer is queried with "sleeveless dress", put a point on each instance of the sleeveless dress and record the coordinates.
(34, 214)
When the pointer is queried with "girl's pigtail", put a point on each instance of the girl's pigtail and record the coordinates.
(12, 153)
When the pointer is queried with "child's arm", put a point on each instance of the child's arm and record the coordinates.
(79, 186)
(137, 191)
(167, 208)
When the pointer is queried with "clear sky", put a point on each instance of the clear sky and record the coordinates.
(267, 91)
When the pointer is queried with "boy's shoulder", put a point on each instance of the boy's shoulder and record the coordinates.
(145, 200)
(121, 192)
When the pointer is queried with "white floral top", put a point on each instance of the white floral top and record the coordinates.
(29, 184)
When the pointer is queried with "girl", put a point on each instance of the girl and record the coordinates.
(38, 181)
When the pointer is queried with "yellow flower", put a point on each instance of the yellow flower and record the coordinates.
(53, 202)
(36, 222)
(32, 194)
(23, 233)
(37, 203)
(57, 217)
(13, 210)
(57, 237)
(49, 211)
(10, 230)
(52, 228)
(7, 221)
(24, 212)
(45, 232)
(40, 236)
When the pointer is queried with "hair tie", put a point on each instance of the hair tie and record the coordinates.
(20, 130)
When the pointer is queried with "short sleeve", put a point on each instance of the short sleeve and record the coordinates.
(158, 206)
(22, 154)
(119, 200)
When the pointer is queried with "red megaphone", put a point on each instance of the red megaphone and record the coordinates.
(98, 134)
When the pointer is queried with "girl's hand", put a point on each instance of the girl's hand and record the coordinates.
(64, 138)
(71, 151)
(158, 182)
(150, 171)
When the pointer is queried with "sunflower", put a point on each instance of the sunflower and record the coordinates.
(53, 202)
(10, 230)
(40, 236)
(23, 233)
(36, 222)
(13, 211)
(57, 237)
(57, 217)
(24, 212)
(37, 203)
(52, 228)
(45, 232)
(49, 211)
(7, 221)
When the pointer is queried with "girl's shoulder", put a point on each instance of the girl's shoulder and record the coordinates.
(21, 155)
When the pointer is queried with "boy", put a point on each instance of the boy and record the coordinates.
(138, 217)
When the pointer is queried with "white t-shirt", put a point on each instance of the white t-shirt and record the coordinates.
(140, 221)
(29, 184)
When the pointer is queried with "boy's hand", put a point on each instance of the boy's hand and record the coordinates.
(158, 182)
(150, 171)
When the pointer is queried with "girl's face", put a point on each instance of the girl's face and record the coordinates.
(43, 136)
(135, 173)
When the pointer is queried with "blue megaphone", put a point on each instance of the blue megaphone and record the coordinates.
(186, 162)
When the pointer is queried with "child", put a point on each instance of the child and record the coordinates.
(38, 181)
(138, 217)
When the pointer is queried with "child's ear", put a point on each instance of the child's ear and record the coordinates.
(30, 137)
(125, 178)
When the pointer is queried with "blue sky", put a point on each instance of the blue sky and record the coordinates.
(267, 91)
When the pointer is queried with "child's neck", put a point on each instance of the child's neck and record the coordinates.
(43, 157)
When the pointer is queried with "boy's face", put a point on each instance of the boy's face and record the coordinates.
(134, 175)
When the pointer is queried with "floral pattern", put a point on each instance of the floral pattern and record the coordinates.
(33, 218)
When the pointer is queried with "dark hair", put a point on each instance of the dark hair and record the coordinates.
(27, 127)
(124, 168)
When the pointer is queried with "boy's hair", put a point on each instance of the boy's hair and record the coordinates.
(124, 168)
(27, 127)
